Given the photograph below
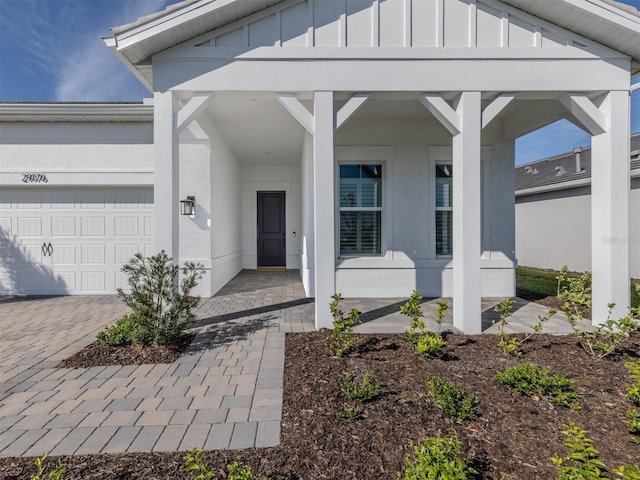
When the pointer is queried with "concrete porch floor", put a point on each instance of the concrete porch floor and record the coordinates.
(224, 393)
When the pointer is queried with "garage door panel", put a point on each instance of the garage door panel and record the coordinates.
(63, 227)
(63, 254)
(93, 282)
(29, 199)
(92, 199)
(93, 254)
(92, 226)
(29, 227)
(126, 226)
(63, 200)
(92, 232)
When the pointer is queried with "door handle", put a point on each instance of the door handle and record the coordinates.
(47, 249)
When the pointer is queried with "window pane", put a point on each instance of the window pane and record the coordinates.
(361, 186)
(349, 192)
(370, 192)
(349, 171)
(360, 233)
(444, 185)
(444, 244)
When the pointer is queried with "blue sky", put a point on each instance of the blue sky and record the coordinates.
(51, 50)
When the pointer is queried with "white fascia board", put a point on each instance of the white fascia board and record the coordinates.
(80, 109)
(608, 12)
(166, 22)
(111, 44)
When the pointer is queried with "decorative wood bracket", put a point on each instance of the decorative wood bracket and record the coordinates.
(440, 109)
(585, 112)
(497, 106)
(307, 119)
(191, 110)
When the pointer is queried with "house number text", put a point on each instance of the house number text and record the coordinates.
(34, 178)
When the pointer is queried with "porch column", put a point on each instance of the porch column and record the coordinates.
(467, 246)
(610, 186)
(166, 176)
(323, 207)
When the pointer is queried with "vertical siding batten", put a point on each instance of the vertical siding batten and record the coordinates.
(375, 23)
(440, 25)
(473, 23)
(505, 29)
(407, 23)
(311, 41)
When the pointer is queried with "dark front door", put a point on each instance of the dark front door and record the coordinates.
(272, 248)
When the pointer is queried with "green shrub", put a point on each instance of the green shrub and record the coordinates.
(342, 336)
(452, 398)
(41, 474)
(437, 458)
(235, 471)
(531, 380)
(582, 463)
(365, 392)
(429, 344)
(609, 335)
(634, 425)
(161, 304)
(634, 391)
(511, 346)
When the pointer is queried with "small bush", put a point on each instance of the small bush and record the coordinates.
(235, 471)
(437, 458)
(452, 399)
(42, 474)
(162, 307)
(511, 346)
(634, 391)
(634, 425)
(365, 392)
(429, 344)
(582, 463)
(531, 380)
(342, 336)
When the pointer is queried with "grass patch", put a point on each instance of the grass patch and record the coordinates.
(545, 283)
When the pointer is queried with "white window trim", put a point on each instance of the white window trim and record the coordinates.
(365, 156)
(444, 155)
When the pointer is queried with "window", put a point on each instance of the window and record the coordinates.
(360, 209)
(444, 209)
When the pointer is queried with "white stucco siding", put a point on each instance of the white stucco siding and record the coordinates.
(77, 147)
(554, 229)
(258, 178)
(408, 259)
(225, 211)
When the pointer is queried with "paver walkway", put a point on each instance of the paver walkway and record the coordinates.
(225, 392)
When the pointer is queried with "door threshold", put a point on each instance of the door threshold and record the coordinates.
(271, 269)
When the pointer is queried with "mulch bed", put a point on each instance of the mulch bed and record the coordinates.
(96, 354)
(513, 438)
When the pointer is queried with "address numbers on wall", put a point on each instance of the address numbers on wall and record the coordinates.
(34, 178)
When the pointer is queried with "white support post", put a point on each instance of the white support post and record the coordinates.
(610, 186)
(323, 207)
(166, 176)
(467, 310)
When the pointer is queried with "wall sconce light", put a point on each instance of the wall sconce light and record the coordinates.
(188, 206)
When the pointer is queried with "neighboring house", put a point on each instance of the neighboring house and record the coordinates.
(368, 143)
(553, 212)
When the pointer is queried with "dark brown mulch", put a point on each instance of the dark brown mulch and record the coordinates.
(95, 354)
(513, 438)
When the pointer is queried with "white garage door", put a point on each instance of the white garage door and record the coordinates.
(69, 241)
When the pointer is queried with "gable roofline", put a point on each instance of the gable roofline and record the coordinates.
(43, 112)
(607, 22)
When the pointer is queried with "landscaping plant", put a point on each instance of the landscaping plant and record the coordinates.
(452, 399)
(41, 474)
(575, 291)
(437, 458)
(582, 463)
(529, 380)
(235, 471)
(634, 391)
(365, 392)
(429, 344)
(511, 346)
(634, 425)
(162, 305)
(342, 336)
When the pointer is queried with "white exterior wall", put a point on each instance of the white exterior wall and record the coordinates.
(554, 229)
(263, 179)
(225, 212)
(408, 261)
